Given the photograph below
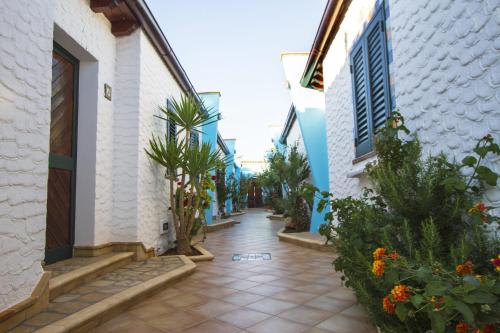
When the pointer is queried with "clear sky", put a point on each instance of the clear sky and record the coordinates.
(234, 46)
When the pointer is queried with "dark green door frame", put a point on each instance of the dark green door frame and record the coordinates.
(67, 162)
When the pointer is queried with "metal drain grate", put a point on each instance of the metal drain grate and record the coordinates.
(251, 256)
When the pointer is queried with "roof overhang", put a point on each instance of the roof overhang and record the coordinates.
(330, 23)
(126, 16)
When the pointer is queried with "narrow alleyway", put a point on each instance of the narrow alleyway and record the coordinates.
(296, 291)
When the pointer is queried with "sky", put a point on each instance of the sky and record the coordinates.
(234, 46)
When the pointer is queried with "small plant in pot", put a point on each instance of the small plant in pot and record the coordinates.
(187, 167)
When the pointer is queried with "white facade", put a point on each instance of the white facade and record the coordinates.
(445, 73)
(120, 193)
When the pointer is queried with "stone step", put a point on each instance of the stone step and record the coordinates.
(64, 282)
(97, 301)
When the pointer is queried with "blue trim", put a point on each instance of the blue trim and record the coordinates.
(378, 21)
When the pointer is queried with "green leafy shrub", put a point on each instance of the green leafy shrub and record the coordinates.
(285, 182)
(418, 247)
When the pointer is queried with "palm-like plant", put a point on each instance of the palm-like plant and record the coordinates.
(187, 166)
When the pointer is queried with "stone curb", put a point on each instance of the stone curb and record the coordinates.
(96, 314)
(238, 213)
(205, 254)
(219, 226)
(68, 281)
(303, 242)
(276, 217)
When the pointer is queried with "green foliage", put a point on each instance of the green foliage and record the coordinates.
(237, 191)
(271, 180)
(428, 212)
(187, 167)
(285, 182)
(220, 183)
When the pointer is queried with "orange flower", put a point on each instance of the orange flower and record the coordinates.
(388, 305)
(461, 327)
(400, 293)
(378, 268)
(481, 207)
(465, 268)
(379, 253)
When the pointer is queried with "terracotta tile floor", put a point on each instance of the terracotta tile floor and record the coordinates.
(296, 291)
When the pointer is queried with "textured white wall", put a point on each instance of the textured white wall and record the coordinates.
(447, 73)
(126, 131)
(156, 85)
(445, 70)
(25, 86)
(338, 103)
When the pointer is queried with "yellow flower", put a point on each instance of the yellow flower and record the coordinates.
(378, 268)
(379, 253)
(400, 293)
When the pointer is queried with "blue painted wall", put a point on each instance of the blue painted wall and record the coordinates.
(209, 135)
(310, 110)
(230, 143)
(313, 129)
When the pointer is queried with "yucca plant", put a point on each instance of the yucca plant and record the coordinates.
(187, 166)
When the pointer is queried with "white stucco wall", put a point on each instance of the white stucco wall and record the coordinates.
(25, 88)
(126, 132)
(447, 73)
(446, 76)
(156, 85)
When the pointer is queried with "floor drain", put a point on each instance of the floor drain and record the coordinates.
(252, 256)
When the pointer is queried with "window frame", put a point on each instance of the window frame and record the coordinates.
(378, 19)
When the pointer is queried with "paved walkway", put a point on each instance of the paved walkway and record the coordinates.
(296, 291)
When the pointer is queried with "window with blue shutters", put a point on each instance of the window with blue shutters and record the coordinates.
(194, 139)
(171, 126)
(370, 83)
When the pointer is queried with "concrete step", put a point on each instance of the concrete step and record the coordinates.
(105, 296)
(82, 272)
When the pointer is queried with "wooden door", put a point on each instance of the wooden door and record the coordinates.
(254, 195)
(62, 157)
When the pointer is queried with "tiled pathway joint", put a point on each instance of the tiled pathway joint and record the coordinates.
(296, 291)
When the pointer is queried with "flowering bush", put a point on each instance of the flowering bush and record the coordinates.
(440, 294)
(420, 248)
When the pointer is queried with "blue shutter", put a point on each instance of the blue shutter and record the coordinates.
(370, 83)
(378, 71)
(194, 139)
(361, 102)
(171, 126)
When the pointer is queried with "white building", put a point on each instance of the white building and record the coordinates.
(438, 62)
(80, 85)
